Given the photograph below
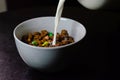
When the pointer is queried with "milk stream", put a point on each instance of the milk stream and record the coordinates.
(57, 18)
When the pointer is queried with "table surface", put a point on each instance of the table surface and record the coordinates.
(97, 56)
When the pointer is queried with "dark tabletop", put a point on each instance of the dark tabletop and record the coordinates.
(97, 55)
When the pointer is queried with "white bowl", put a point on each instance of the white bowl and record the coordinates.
(43, 58)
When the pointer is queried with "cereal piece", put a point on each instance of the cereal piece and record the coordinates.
(36, 37)
(42, 40)
(44, 33)
(64, 32)
(58, 44)
(46, 37)
(34, 43)
(40, 45)
(70, 39)
(39, 42)
(45, 44)
(50, 34)
(64, 42)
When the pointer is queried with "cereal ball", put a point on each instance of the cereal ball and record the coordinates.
(36, 37)
(35, 43)
(46, 37)
(64, 32)
(44, 33)
(50, 34)
(45, 44)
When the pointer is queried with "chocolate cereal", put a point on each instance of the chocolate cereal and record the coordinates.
(45, 38)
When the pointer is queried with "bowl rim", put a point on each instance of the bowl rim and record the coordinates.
(37, 47)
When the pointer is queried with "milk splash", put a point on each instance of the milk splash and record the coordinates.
(57, 18)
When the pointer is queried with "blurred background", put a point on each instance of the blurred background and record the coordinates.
(3, 5)
(6, 5)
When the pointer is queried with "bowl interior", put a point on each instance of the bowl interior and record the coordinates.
(74, 28)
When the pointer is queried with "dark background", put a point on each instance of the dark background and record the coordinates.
(112, 5)
(18, 4)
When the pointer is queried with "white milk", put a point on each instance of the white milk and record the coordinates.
(57, 18)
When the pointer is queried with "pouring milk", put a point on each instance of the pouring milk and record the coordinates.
(57, 18)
